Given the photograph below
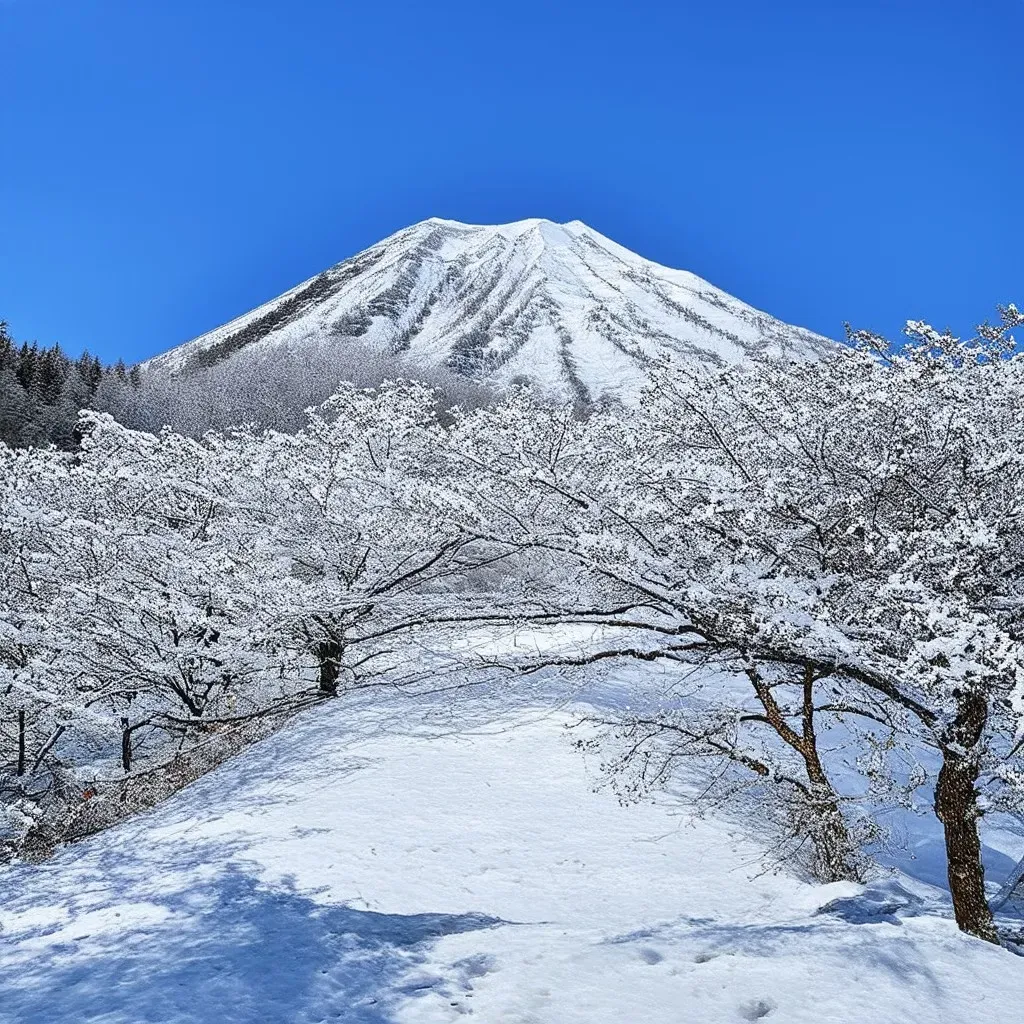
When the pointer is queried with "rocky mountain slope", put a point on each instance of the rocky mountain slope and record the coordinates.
(557, 303)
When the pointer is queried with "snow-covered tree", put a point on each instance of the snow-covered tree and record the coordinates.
(870, 504)
(852, 521)
(158, 589)
(599, 497)
(335, 520)
(841, 536)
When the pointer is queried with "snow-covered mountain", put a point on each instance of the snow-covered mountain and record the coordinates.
(558, 303)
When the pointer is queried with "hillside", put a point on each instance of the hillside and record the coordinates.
(556, 303)
(429, 864)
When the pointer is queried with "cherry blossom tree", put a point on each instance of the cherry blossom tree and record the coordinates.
(851, 522)
(840, 537)
(160, 589)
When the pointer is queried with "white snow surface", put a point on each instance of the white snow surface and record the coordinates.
(559, 304)
(403, 859)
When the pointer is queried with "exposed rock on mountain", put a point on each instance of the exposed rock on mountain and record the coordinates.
(557, 303)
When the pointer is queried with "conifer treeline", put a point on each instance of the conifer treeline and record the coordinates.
(43, 389)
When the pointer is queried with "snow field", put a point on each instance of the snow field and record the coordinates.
(399, 859)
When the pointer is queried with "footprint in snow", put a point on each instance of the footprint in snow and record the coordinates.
(756, 1009)
(474, 967)
(650, 956)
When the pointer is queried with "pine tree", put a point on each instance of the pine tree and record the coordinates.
(7, 350)
(28, 366)
(42, 391)
(52, 373)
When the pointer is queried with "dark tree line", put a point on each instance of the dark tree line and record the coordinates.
(43, 389)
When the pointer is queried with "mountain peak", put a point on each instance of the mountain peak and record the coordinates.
(558, 303)
(549, 231)
(513, 227)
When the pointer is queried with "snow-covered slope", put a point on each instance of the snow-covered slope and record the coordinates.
(558, 303)
(424, 860)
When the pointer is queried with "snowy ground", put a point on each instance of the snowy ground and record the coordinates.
(375, 862)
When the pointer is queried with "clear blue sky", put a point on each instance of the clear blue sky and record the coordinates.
(166, 166)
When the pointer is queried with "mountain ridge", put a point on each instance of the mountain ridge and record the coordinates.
(561, 304)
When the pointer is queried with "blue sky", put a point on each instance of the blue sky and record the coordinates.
(166, 166)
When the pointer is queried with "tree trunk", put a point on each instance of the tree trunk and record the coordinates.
(21, 742)
(328, 653)
(834, 849)
(836, 853)
(126, 745)
(956, 806)
(833, 845)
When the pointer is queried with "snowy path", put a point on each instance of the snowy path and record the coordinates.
(370, 864)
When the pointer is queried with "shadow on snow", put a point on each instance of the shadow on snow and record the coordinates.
(231, 952)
